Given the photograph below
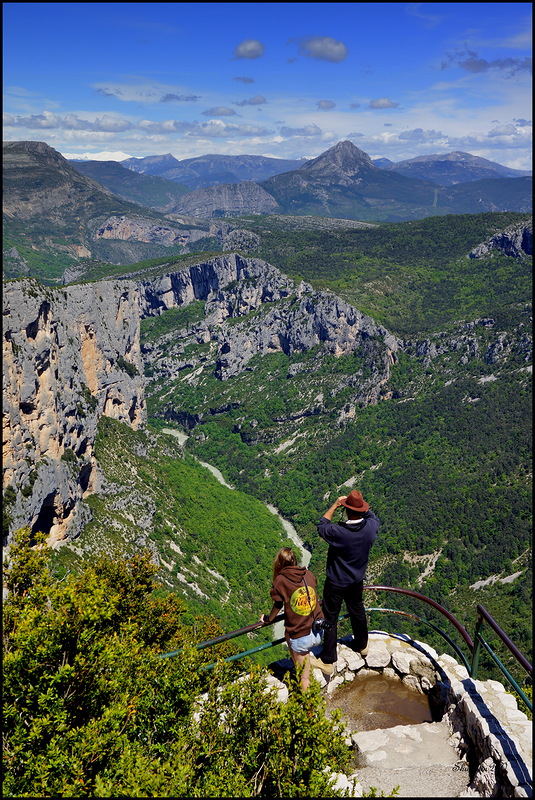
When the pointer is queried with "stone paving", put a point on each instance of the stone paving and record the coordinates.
(481, 747)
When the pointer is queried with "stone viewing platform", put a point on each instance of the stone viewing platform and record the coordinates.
(478, 745)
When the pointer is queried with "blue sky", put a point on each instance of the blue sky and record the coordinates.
(287, 80)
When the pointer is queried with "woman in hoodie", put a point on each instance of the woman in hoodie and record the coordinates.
(294, 588)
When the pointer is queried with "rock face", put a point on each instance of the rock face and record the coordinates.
(69, 356)
(516, 241)
(234, 287)
(254, 280)
(226, 200)
(131, 229)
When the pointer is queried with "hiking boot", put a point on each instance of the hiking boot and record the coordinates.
(364, 652)
(327, 669)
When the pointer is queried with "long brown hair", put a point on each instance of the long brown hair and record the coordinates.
(284, 558)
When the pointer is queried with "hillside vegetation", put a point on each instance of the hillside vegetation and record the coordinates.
(215, 546)
(410, 276)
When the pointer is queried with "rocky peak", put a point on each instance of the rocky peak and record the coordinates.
(33, 148)
(344, 160)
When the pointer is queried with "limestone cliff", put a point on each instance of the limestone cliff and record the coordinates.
(234, 287)
(516, 241)
(69, 356)
(131, 229)
(226, 200)
(252, 309)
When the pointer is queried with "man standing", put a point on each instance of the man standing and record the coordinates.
(347, 558)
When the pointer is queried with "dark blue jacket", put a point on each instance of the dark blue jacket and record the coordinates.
(349, 547)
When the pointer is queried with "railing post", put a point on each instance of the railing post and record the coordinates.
(477, 647)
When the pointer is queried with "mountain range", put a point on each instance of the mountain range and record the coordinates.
(448, 169)
(59, 214)
(445, 169)
(211, 169)
(344, 182)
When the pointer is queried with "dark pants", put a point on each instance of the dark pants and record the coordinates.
(332, 603)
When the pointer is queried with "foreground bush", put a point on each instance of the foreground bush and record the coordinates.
(91, 710)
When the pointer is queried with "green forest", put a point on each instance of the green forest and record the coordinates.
(409, 276)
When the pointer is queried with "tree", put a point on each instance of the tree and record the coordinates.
(90, 708)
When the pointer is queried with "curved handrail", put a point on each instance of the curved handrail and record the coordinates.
(483, 613)
(474, 647)
(433, 603)
(226, 636)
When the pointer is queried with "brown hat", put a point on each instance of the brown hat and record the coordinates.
(355, 502)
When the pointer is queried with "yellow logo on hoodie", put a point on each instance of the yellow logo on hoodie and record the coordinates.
(299, 601)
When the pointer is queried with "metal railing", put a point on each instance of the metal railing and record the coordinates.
(474, 646)
(482, 617)
(225, 637)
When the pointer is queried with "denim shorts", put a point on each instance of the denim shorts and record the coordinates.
(305, 643)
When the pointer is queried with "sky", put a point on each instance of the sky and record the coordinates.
(285, 80)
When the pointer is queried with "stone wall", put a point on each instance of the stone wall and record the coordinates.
(492, 737)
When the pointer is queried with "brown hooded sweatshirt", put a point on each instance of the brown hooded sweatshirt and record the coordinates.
(289, 590)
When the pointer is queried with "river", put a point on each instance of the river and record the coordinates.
(288, 527)
(278, 628)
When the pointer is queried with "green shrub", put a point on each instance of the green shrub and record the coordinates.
(90, 709)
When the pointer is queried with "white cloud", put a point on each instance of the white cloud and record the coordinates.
(503, 130)
(219, 111)
(470, 61)
(429, 20)
(249, 48)
(145, 93)
(35, 121)
(258, 100)
(419, 135)
(107, 123)
(382, 102)
(215, 129)
(172, 97)
(322, 48)
(325, 105)
(306, 130)
(47, 120)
